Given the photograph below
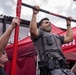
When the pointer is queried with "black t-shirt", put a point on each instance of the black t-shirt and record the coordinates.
(2, 72)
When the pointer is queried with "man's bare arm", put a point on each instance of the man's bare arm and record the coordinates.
(69, 35)
(33, 24)
(5, 37)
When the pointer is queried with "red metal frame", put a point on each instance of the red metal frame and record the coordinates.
(14, 58)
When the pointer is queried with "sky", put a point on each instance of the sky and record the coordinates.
(61, 7)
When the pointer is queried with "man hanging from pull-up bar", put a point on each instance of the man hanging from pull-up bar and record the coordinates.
(48, 46)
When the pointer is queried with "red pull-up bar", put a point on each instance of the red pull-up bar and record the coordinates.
(42, 10)
(14, 58)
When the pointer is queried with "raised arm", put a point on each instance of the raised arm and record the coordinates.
(5, 37)
(33, 23)
(69, 35)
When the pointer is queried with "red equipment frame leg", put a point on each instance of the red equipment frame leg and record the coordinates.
(14, 58)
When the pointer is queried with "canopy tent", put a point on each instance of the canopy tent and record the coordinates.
(26, 57)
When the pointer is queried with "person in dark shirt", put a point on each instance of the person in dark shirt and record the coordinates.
(3, 43)
(48, 46)
(3, 61)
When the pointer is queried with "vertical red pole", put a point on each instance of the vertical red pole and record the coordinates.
(14, 58)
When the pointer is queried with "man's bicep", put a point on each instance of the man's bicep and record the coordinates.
(66, 39)
(34, 35)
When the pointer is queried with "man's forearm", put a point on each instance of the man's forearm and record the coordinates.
(69, 32)
(5, 37)
(33, 24)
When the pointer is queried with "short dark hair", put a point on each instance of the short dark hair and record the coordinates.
(40, 23)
